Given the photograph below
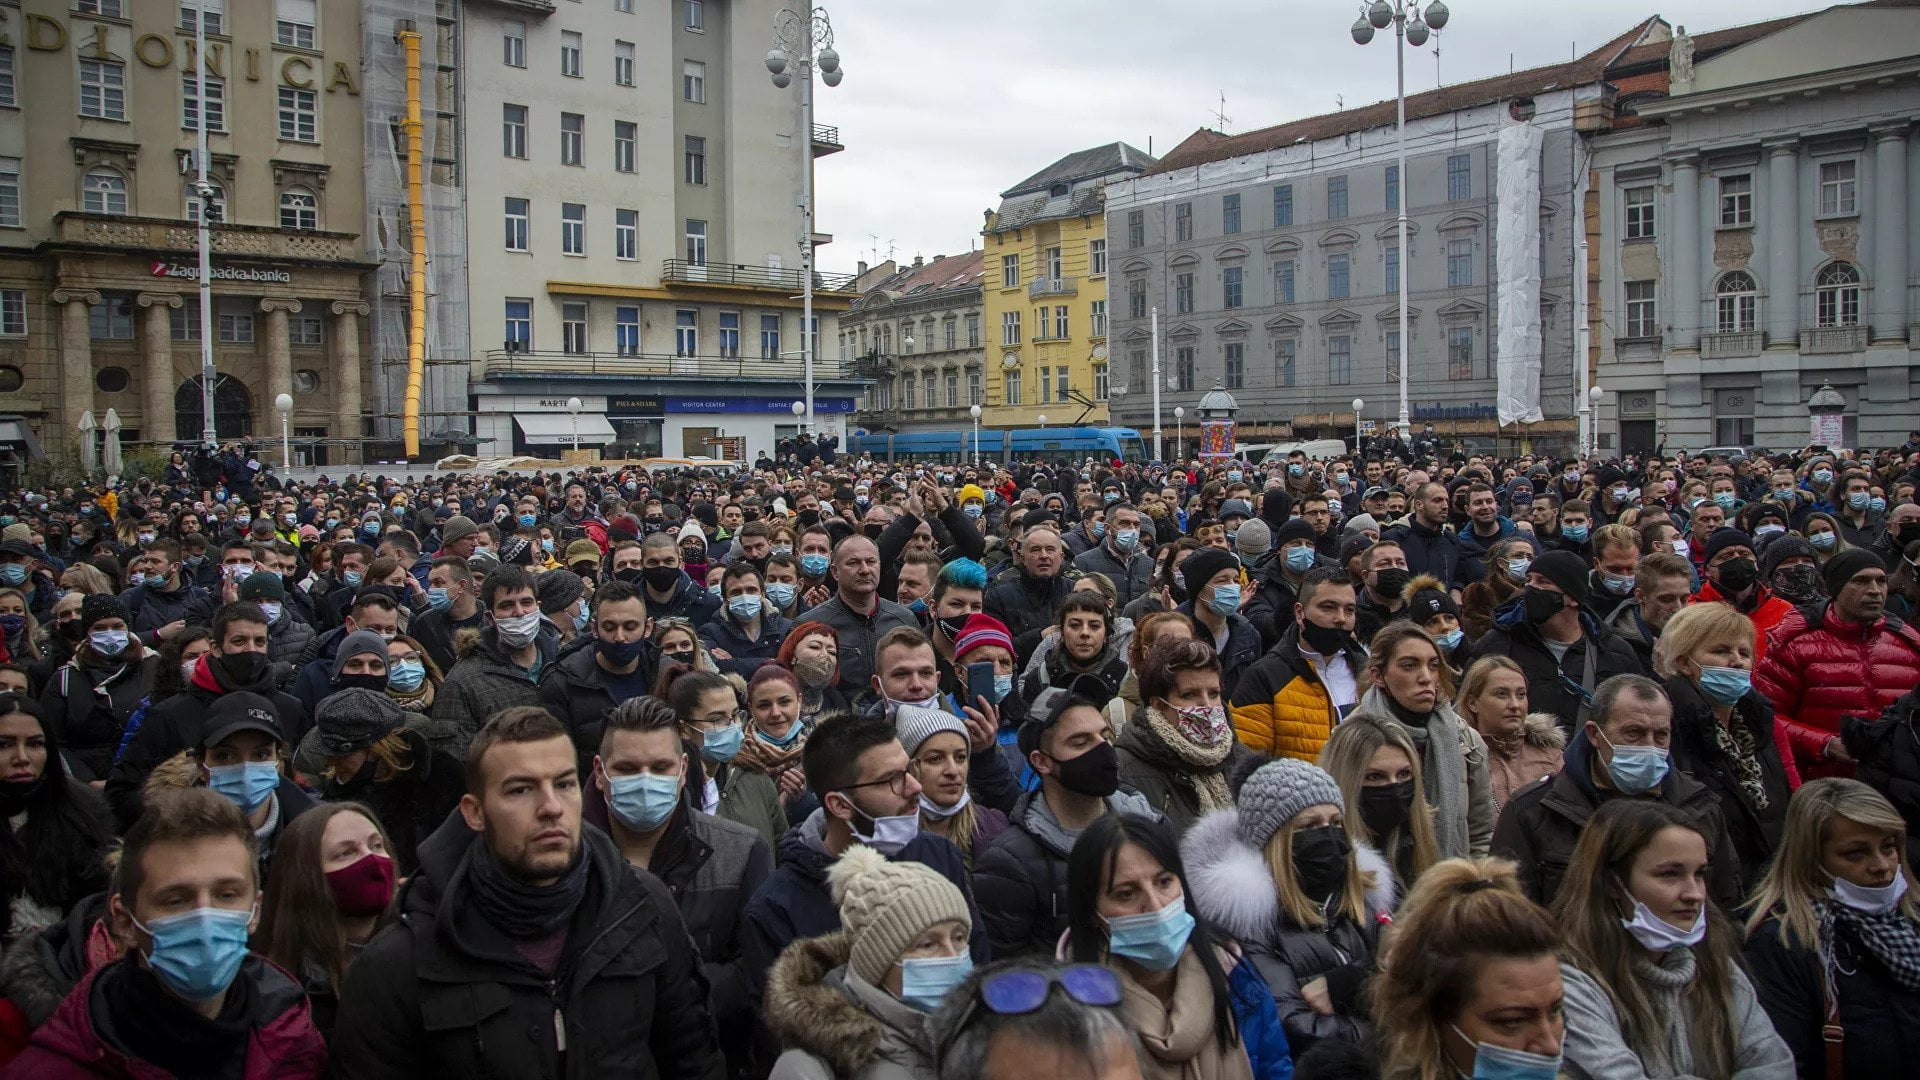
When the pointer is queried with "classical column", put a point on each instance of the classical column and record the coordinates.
(1783, 243)
(343, 343)
(76, 359)
(1686, 254)
(156, 351)
(1889, 231)
(279, 347)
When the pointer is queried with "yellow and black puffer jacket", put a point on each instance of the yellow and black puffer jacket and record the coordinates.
(1281, 707)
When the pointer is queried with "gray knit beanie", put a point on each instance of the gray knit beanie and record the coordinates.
(885, 905)
(1277, 791)
(915, 725)
(1252, 539)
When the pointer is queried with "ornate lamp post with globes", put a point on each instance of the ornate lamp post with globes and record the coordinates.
(802, 44)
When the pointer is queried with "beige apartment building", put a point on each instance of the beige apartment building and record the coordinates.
(99, 303)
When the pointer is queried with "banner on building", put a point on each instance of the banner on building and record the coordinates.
(1216, 439)
(1517, 274)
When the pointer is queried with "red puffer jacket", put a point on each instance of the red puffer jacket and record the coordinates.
(1819, 668)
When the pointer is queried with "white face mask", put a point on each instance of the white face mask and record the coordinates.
(1659, 935)
(1867, 898)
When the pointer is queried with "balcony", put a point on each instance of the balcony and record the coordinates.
(521, 364)
(872, 365)
(126, 233)
(826, 140)
(1730, 344)
(739, 275)
(1833, 339)
(1054, 286)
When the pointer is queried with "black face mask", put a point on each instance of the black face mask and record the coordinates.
(1320, 860)
(1391, 582)
(238, 671)
(1798, 584)
(678, 658)
(632, 575)
(1325, 640)
(1384, 807)
(873, 530)
(1095, 773)
(661, 578)
(1737, 575)
(1542, 605)
(375, 683)
(951, 625)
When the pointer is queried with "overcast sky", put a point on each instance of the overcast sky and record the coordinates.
(948, 102)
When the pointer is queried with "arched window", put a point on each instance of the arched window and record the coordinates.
(1738, 299)
(299, 209)
(218, 200)
(103, 191)
(1837, 295)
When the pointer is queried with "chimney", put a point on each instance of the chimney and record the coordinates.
(918, 262)
(860, 268)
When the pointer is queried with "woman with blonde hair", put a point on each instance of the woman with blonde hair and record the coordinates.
(939, 751)
(84, 578)
(1152, 627)
(1471, 984)
(1506, 573)
(1378, 770)
(1823, 533)
(1833, 937)
(1409, 684)
(1651, 967)
(1521, 747)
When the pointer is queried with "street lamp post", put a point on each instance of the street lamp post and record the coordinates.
(1179, 433)
(203, 235)
(285, 404)
(1043, 421)
(974, 411)
(802, 43)
(1358, 404)
(573, 407)
(1409, 28)
(1590, 413)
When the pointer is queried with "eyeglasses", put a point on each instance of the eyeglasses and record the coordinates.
(1018, 992)
(895, 781)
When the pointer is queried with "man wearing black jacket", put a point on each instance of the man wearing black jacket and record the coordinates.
(614, 663)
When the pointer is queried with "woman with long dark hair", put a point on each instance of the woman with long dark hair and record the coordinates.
(1412, 686)
(92, 696)
(54, 831)
(1198, 1007)
(372, 756)
(330, 891)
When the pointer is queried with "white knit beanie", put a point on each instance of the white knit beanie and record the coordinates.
(885, 905)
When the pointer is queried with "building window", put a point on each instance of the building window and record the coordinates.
(10, 192)
(626, 140)
(626, 330)
(695, 13)
(910, 389)
(516, 221)
(513, 130)
(519, 325)
(953, 389)
(623, 6)
(906, 336)
(114, 9)
(299, 115)
(730, 335)
(696, 242)
(1009, 271)
(1393, 355)
(190, 103)
(1056, 262)
(1393, 267)
(216, 202)
(7, 96)
(1282, 205)
(1096, 258)
(13, 313)
(1009, 328)
(513, 43)
(1642, 310)
(570, 53)
(573, 139)
(1136, 298)
(1338, 285)
(1393, 187)
(112, 318)
(973, 330)
(1838, 189)
(1230, 287)
(211, 13)
(950, 333)
(926, 386)
(1736, 303)
(1182, 294)
(1340, 359)
(306, 330)
(103, 89)
(293, 22)
(1459, 177)
(1736, 200)
(183, 322)
(1060, 322)
(1459, 263)
(1459, 353)
(1236, 365)
(1640, 219)
(973, 388)
(299, 209)
(623, 63)
(769, 337)
(1136, 228)
(1098, 325)
(696, 159)
(573, 228)
(1010, 389)
(626, 234)
(1229, 214)
(573, 329)
(236, 328)
(1336, 197)
(1182, 222)
(103, 191)
(1837, 296)
(693, 81)
(1284, 351)
(686, 333)
(1283, 281)
(1060, 387)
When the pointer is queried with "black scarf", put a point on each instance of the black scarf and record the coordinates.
(521, 911)
(147, 1022)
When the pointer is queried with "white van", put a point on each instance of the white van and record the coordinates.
(1315, 449)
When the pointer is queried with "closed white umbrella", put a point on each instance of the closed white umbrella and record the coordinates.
(111, 462)
(87, 427)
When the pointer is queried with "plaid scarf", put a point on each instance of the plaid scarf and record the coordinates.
(1737, 744)
(1889, 936)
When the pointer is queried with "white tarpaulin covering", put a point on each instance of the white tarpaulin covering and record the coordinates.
(1517, 272)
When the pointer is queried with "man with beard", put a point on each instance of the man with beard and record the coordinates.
(670, 593)
(1026, 597)
(1564, 652)
(1733, 575)
(1288, 702)
(584, 966)
(1431, 547)
(1385, 566)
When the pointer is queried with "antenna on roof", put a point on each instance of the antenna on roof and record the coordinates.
(1220, 117)
(1339, 102)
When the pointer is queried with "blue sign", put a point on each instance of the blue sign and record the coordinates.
(755, 405)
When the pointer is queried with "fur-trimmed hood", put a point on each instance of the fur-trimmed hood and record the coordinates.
(1233, 888)
(815, 1004)
(1542, 730)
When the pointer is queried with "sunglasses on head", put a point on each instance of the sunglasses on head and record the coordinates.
(1018, 992)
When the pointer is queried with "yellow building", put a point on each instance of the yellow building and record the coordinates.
(1045, 291)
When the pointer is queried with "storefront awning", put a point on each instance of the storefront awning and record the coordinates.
(556, 429)
(15, 434)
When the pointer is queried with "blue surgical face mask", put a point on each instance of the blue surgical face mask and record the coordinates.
(1575, 533)
(1877, 504)
(1859, 500)
(1296, 469)
(1154, 940)
(528, 520)
(1725, 500)
(1111, 497)
(1451, 639)
(1300, 558)
(643, 802)
(1822, 540)
(407, 675)
(1517, 568)
(1635, 770)
(813, 565)
(721, 744)
(918, 605)
(581, 618)
(1002, 686)
(197, 953)
(439, 599)
(781, 593)
(744, 607)
(1492, 1062)
(925, 980)
(13, 573)
(1784, 494)
(1234, 476)
(247, 784)
(1822, 476)
(351, 578)
(108, 642)
(973, 510)
(1226, 599)
(1725, 685)
(1126, 539)
(1099, 530)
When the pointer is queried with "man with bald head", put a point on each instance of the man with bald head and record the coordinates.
(858, 613)
(1026, 597)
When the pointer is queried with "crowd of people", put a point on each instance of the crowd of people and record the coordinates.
(1395, 764)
